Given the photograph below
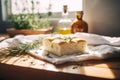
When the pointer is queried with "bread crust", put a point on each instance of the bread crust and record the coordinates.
(62, 46)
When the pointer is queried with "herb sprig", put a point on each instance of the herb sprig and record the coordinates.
(22, 48)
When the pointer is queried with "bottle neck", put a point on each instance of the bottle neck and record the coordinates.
(79, 15)
(65, 12)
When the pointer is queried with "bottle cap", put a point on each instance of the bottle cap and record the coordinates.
(79, 14)
(65, 8)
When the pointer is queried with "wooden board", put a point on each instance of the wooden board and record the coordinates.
(27, 67)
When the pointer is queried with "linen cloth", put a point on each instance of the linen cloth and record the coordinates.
(99, 47)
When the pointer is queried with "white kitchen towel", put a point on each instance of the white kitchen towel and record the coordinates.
(99, 39)
(98, 52)
(2, 38)
(99, 47)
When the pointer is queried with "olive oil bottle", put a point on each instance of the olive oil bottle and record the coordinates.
(64, 24)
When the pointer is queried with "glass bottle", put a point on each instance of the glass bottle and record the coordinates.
(80, 25)
(64, 24)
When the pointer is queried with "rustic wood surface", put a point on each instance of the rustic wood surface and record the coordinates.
(28, 67)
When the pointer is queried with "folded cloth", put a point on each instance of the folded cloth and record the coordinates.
(10, 42)
(2, 38)
(94, 53)
(99, 47)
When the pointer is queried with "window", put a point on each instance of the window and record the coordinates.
(5, 9)
(41, 6)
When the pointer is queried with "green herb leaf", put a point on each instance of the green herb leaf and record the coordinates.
(24, 47)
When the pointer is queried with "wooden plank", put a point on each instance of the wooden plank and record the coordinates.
(101, 69)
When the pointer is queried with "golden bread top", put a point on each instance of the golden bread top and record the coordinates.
(63, 40)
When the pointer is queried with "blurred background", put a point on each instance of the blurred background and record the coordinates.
(102, 16)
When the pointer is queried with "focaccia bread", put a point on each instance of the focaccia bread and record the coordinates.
(63, 46)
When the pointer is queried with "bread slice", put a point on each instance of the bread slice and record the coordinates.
(64, 46)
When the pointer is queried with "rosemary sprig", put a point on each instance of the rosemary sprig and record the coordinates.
(23, 47)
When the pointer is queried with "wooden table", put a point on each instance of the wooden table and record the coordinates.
(3, 36)
(26, 67)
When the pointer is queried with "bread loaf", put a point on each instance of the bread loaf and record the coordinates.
(64, 46)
